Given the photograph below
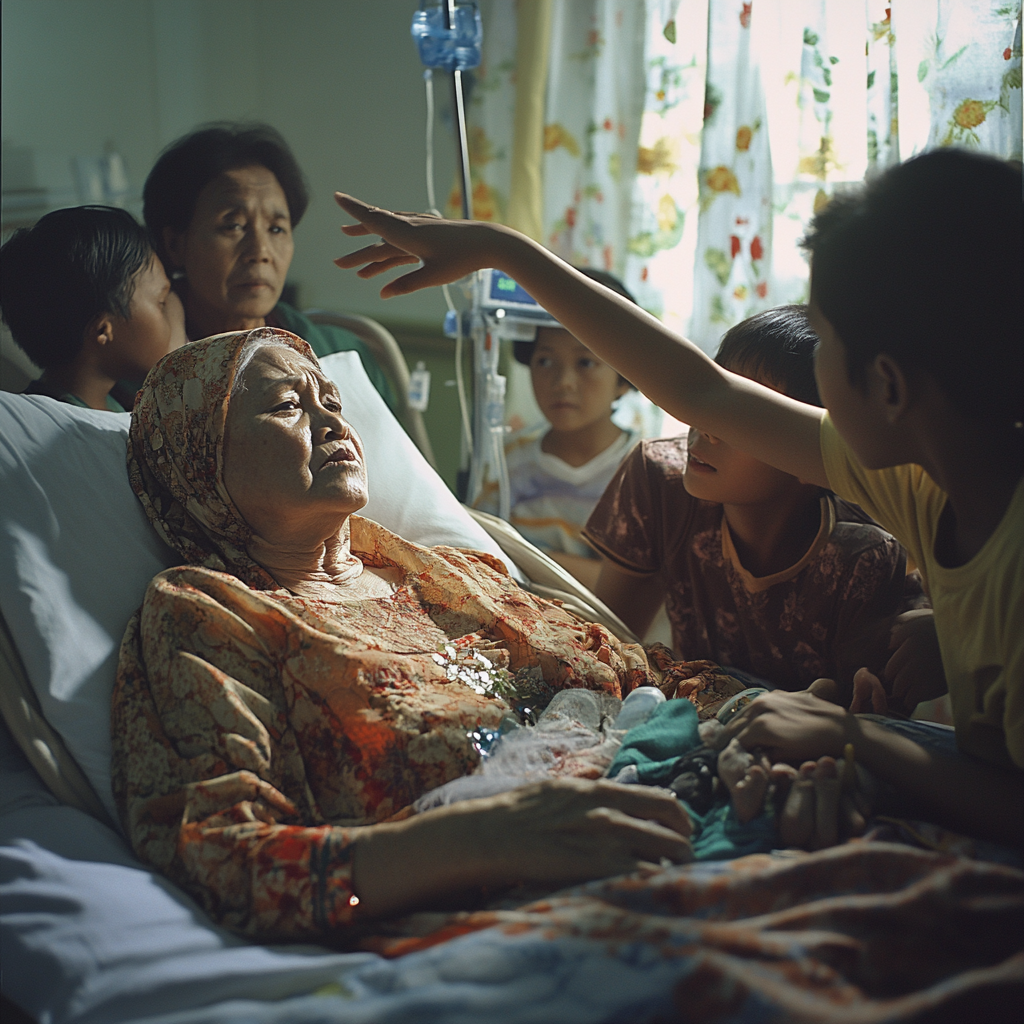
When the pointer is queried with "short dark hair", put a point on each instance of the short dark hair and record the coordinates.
(777, 347)
(59, 275)
(523, 350)
(190, 163)
(920, 263)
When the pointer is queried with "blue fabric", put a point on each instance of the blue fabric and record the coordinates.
(720, 835)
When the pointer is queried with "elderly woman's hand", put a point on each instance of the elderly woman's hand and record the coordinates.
(553, 833)
(448, 249)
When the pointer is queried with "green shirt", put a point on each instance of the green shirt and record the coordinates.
(40, 387)
(326, 339)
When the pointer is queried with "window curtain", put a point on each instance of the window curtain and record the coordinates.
(685, 144)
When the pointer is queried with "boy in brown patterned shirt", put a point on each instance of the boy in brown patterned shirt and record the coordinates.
(757, 569)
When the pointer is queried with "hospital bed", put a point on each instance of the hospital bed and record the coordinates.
(875, 931)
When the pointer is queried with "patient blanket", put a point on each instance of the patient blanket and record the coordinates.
(863, 932)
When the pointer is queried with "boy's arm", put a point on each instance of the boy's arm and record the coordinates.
(584, 569)
(963, 793)
(670, 370)
(635, 599)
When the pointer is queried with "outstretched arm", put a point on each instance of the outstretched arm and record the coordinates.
(670, 370)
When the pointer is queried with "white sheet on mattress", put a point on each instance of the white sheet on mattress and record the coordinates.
(87, 933)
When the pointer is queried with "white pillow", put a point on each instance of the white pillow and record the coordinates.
(77, 552)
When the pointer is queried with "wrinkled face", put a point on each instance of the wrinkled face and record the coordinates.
(292, 464)
(715, 471)
(573, 388)
(155, 326)
(237, 249)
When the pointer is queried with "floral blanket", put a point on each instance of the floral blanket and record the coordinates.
(864, 932)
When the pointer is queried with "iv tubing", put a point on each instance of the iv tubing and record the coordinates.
(467, 431)
(428, 78)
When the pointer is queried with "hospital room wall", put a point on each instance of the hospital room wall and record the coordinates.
(340, 78)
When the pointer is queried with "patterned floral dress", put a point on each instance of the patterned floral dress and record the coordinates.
(254, 731)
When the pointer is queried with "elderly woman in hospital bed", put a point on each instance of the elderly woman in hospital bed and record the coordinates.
(285, 698)
(89, 933)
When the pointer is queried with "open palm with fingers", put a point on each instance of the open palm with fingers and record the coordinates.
(448, 249)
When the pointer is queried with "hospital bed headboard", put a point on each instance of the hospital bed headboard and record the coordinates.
(41, 744)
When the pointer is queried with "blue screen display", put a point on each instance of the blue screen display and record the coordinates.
(504, 289)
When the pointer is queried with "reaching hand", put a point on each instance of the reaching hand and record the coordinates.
(868, 693)
(568, 830)
(915, 671)
(793, 727)
(913, 674)
(448, 249)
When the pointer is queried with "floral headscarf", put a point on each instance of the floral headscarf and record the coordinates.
(176, 452)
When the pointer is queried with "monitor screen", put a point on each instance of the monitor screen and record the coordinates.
(505, 290)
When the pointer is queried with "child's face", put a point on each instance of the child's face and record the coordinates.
(850, 408)
(715, 471)
(573, 388)
(236, 251)
(155, 325)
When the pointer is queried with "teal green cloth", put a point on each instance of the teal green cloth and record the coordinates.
(720, 835)
(656, 745)
(655, 748)
(326, 339)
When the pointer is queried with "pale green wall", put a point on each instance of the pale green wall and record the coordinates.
(340, 78)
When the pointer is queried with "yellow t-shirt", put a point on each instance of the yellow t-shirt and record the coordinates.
(979, 606)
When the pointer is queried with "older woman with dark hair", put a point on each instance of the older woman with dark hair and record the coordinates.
(285, 697)
(221, 204)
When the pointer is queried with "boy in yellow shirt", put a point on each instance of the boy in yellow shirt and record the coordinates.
(917, 296)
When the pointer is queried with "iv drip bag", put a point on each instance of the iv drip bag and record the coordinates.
(452, 49)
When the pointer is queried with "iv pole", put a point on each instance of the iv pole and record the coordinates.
(459, 109)
(483, 441)
(462, 152)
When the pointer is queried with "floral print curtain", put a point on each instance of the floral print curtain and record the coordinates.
(688, 142)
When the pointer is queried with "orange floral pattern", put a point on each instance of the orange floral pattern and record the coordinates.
(253, 730)
(969, 114)
(722, 179)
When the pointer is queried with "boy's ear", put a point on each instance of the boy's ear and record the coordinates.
(891, 387)
(100, 331)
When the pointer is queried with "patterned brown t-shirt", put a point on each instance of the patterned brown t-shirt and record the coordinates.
(821, 617)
